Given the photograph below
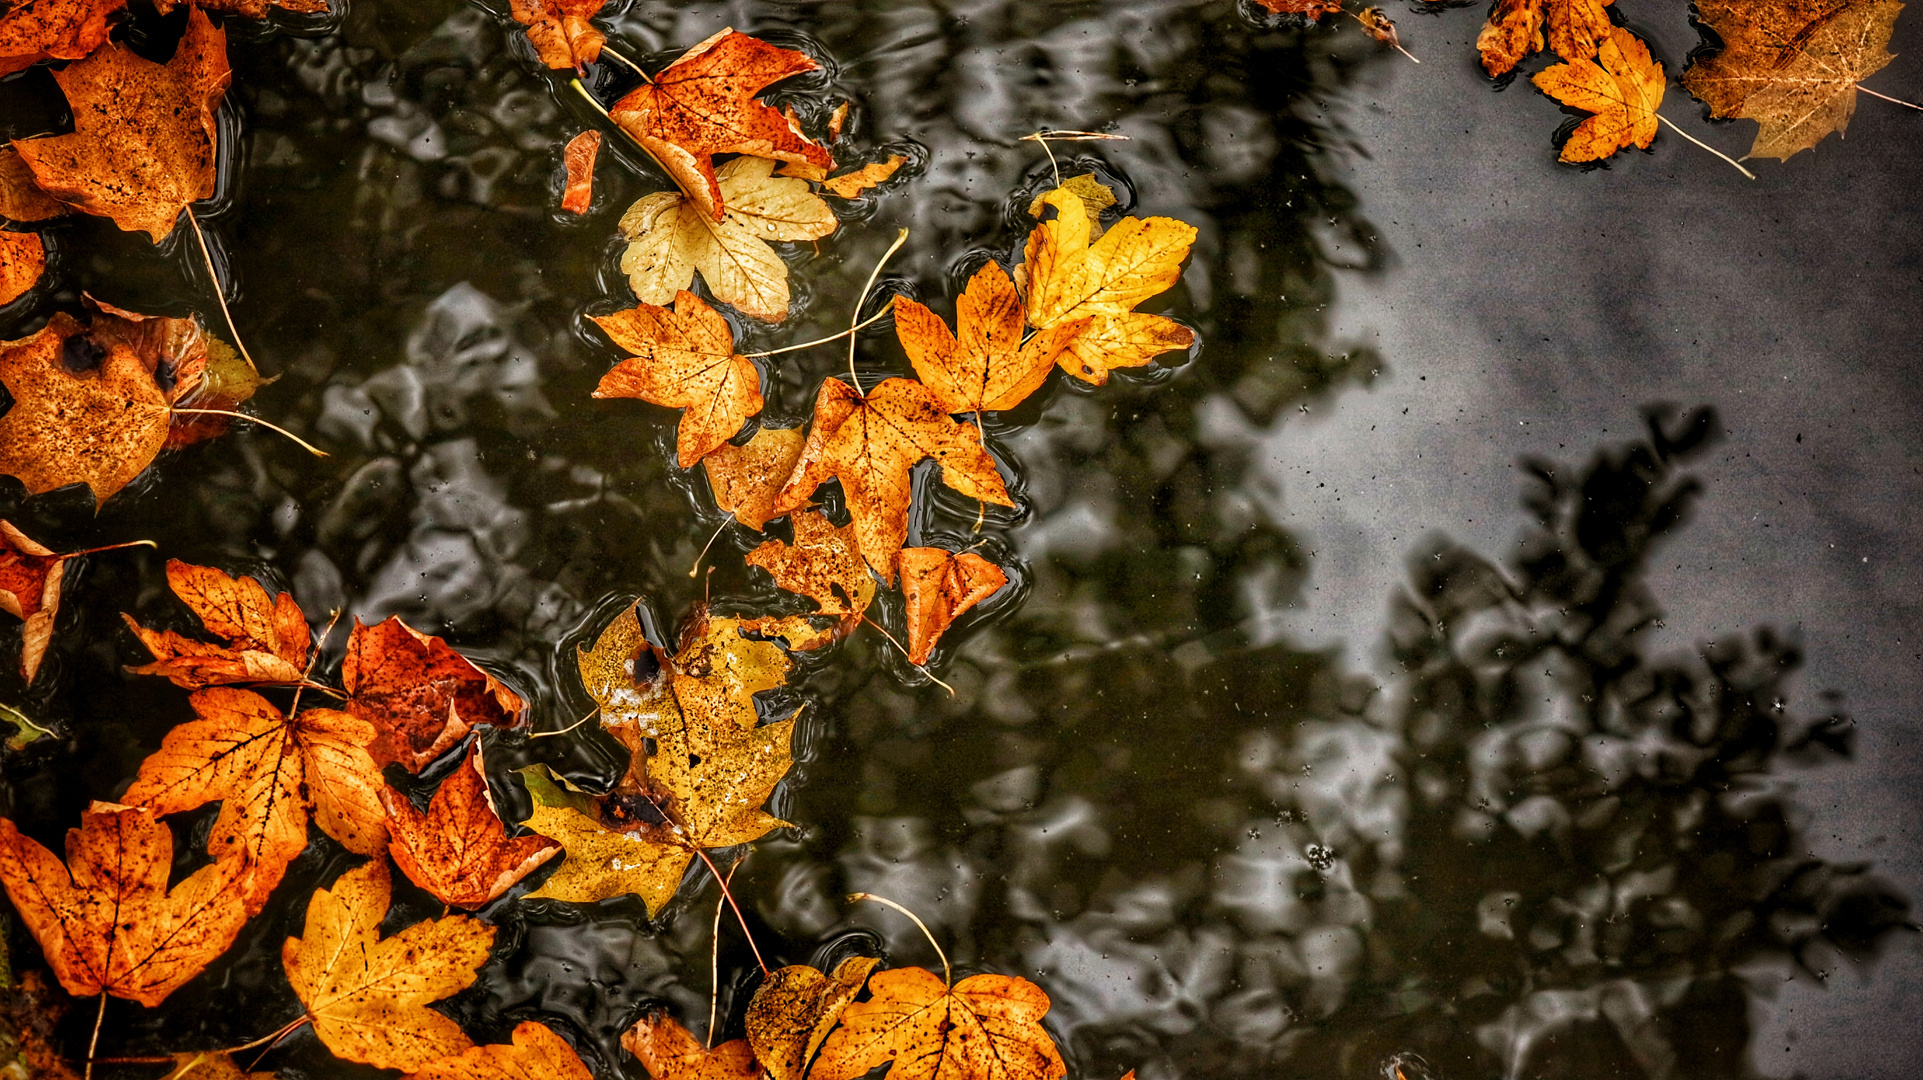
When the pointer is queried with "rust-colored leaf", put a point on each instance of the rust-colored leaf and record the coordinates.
(579, 157)
(824, 563)
(562, 35)
(1516, 30)
(1314, 9)
(21, 198)
(262, 639)
(684, 358)
(795, 1008)
(211, 1065)
(52, 30)
(986, 1027)
(421, 696)
(249, 9)
(939, 585)
(987, 366)
(1622, 86)
(746, 478)
(23, 258)
(106, 920)
(30, 577)
(669, 1052)
(459, 850)
(536, 1053)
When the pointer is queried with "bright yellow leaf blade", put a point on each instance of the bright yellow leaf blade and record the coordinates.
(1622, 86)
(987, 1027)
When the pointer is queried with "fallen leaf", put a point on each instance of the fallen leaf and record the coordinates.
(579, 156)
(1096, 197)
(421, 696)
(669, 1052)
(704, 104)
(366, 995)
(745, 479)
(52, 30)
(683, 358)
(30, 577)
(267, 770)
(837, 120)
(248, 9)
(560, 31)
(106, 921)
(536, 1053)
(142, 148)
(1070, 280)
(1314, 9)
(1622, 86)
(86, 409)
(870, 443)
(987, 1027)
(602, 862)
(795, 1008)
(26, 732)
(850, 184)
(1799, 84)
(23, 258)
(824, 563)
(226, 381)
(938, 586)
(262, 639)
(798, 632)
(988, 367)
(1377, 24)
(21, 199)
(211, 1065)
(669, 238)
(1576, 29)
(459, 850)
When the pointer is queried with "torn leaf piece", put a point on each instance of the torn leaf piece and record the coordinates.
(984, 1026)
(560, 31)
(745, 479)
(1622, 86)
(852, 183)
(1096, 198)
(459, 850)
(30, 577)
(824, 563)
(683, 358)
(421, 696)
(536, 1053)
(579, 157)
(262, 639)
(1514, 32)
(795, 1008)
(23, 258)
(669, 1052)
(985, 365)
(940, 585)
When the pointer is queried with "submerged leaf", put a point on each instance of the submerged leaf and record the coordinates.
(668, 1052)
(560, 31)
(536, 1053)
(1576, 29)
(823, 563)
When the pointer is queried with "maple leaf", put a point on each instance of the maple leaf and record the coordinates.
(704, 104)
(262, 639)
(824, 563)
(367, 995)
(602, 861)
(1576, 29)
(1622, 86)
(938, 586)
(421, 696)
(267, 770)
(870, 443)
(1096, 197)
(458, 850)
(142, 148)
(536, 1053)
(23, 258)
(30, 577)
(579, 156)
(39, 30)
(745, 479)
(848, 184)
(795, 1008)
(986, 1027)
(1799, 82)
(671, 237)
(988, 366)
(669, 1052)
(1069, 279)
(560, 31)
(683, 358)
(106, 920)
(21, 199)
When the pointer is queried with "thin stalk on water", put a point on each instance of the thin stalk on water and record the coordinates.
(232, 415)
(1732, 161)
(729, 897)
(932, 677)
(854, 321)
(837, 336)
(695, 570)
(1891, 100)
(1046, 137)
(220, 292)
(570, 727)
(714, 954)
(947, 973)
(94, 1043)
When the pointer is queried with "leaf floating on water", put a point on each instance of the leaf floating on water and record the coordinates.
(23, 258)
(262, 639)
(745, 479)
(940, 585)
(986, 1026)
(601, 861)
(1314, 9)
(1514, 32)
(683, 358)
(52, 30)
(1622, 86)
(560, 31)
(25, 731)
(986, 365)
(248, 9)
(30, 577)
(21, 197)
(579, 157)
(211, 1065)
(536, 1053)
(421, 696)
(226, 382)
(669, 1052)
(1096, 197)
(823, 564)
(794, 1010)
(459, 850)
(850, 184)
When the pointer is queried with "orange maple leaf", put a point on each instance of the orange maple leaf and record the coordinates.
(870, 443)
(23, 258)
(1622, 86)
(669, 1052)
(52, 30)
(21, 199)
(1576, 29)
(986, 1027)
(30, 577)
(988, 367)
(421, 696)
(459, 850)
(142, 148)
(824, 563)
(560, 31)
(683, 358)
(939, 585)
(579, 158)
(746, 478)
(704, 104)
(106, 920)
(267, 770)
(536, 1053)
(262, 639)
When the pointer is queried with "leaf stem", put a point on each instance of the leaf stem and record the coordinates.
(904, 652)
(869, 321)
(231, 414)
(220, 293)
(1737, 165)
(714, 956)
(570, 727)
(110, 547)
(1886, 97)
(854, 321)
(729, 896)
(632, 66)
(947, 973)
(94, 1043)
(695, 570)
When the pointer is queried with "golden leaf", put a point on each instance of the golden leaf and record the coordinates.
(823, 563)
(746, 478)
(795, 1008)
(668, 1052)
(938, 586)
(1514, 31)
(263, 639)
(987, 366)
(536, 1053)
(1622, 86)
(986, 1027)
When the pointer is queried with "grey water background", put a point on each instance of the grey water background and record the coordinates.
(1412, 677)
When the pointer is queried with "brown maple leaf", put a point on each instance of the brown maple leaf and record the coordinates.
(669, 1052)
(939, 585)
(459, 850)
(870, 443)
(986, 1027)
(421, 696)
(536, 1053)
(23, 258)
(745, 479)
(988, 366)
(579, 157)
(142, 148)
(704, 104)
(1622, 86)
(262, 639)
(683, 358)
(106, 921)
(560, 31)
(267, 770)
(21, 199)
(1576, 29)
(30, 577)
(824, 563)
(1757, 36)
(36, 30)
(794, 1009)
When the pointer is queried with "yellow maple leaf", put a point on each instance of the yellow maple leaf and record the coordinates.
(1622, 86)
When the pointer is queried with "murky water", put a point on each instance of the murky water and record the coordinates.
(1501, 824)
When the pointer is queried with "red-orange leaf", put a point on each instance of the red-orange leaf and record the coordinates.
(30, 578)
(52, 30)
(579, 156)
(939, 585)
(536, 1053)
(561, 32)
(458, 850)
(421, 696)
(23, 258)
(988, 366)
(669, 1052)
(262, 639)
(21, 198)
(683, 358)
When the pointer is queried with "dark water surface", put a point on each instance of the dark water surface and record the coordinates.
(1490, 654)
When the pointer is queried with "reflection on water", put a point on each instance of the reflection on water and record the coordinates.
(1533, 850)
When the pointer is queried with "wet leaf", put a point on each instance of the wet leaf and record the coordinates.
(670, 238)
(25, 731)
(745, 479)
(562, 35)
(262, 639)
(106, 920)
(536, 1053)
(668, 1052)
(30, 577)
(21, 199)
(1377, 24)
(366, 995)
(579, 156)
(704, 104)
(52, 30)
(987, 1027)
(851, 183)
(1314, 9)
(823, 563)
(1514, 32)
(1622, 86)
(226, 382)
(23, 258)
(795, 1008)
(268, 771)
(602, 861)
(1757, 37)
(459, 850)
(939, 585)
(683, 358)
(248, 9)
(1096, 197)
(986, 366)
(421, 696)
(211, 1065)
(1069, 280)
(870, 443)
(142, 148)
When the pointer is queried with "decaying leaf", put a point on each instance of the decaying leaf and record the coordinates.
(851, 183)
(796, 1007)
(536, 1053)
(248, 9)
(106, 920)
(602, 861)
(458, 850)
(823, 563)
(562, 35)
(142, 148)
(986, 366)
(25, 731)
(227, 381)
(1622, 86)
(704, 104)
(23, 258)
(30, 577)
(870, 443)
(746, 478)
(21, 198)
(1096, 197)
(579, 157)
(987, 1027)
(1314, 9)
(366, 995)
(1758, 37)
(670, 238)
(939, 585)
(1576, 29)
(52, 30)
(1070, 280)
(262, 639)
(421, 696)
(669, 1052)
(683, 358)
(267, 770)
(1377, 24)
